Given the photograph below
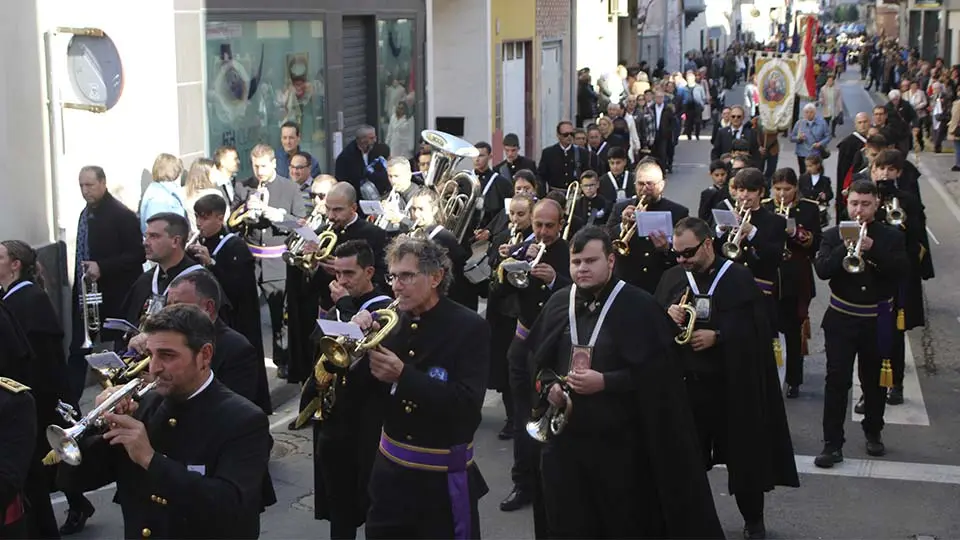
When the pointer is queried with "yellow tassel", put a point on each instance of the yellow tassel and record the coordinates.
(901, 320)
(778, 353)
(51, 458)
(886, 375)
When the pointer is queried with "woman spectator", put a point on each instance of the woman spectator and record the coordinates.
(918, 100)
(400, 132)
(164, 193)
(198, 184)
(953, 135)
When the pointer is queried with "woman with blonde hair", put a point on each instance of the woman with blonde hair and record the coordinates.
(164, 193)
(198, 184)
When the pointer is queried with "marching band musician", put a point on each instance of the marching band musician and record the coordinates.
(425, 483)
(848, 153)
(649, 256)
(226, 255)
(395, 204)
(549, 275)
(345, 440)
(796, 269)
(343, 220)
(859, 322)
(872, 147)
(525, 184)
(495, 188)
(164, 244)
(626, 464)
(18, 435)
(266, 233)
(730, 373)
(590, 208)
(513, 161)
(22, 291)
(423, 212)
(886, 171)
(618, 183)
(190, 460)
(236, 363)
(716, 193)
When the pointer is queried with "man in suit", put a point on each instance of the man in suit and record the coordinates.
(110, 254)
(664, 121)
(514, 161)
(363, 161)
(190, 460)
(563, 162)
(848, 150)
(276, 204)
(738, 129)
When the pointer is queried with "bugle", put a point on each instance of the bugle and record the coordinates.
(64, 442)
(573, 195)
(622, 244)
(296, 243)
(552, 421)
(853, 262)
(686, 333)
(308, 262)
(732, 248)
(895, 214)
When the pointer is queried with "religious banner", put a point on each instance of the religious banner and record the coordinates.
(776, 81)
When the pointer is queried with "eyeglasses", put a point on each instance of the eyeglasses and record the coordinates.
(320, 196)
(736, 116)
(586, 186)
(298, 167)
(403, 277)
(689, 252)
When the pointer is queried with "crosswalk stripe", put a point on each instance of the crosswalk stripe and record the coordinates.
(913, 411)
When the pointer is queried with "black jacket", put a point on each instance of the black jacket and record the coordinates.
(886, 264)
(238, 366)
(507, 169)
(235, 269)
(645, 264)
(558, 168)
(350, 167)
(724, 142)
(18, 432)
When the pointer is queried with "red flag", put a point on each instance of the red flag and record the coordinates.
(809, 38)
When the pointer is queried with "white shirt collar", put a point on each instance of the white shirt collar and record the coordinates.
(202, 386)
(566, 148)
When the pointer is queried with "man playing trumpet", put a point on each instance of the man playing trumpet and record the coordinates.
(864, 263)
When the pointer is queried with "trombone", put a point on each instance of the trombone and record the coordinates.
(554, 419)
(853, 262)
(895, 214)
(686, 333)
(732, 248)
(622, 244)
(337, 354)
(573, 195)
(90, 301)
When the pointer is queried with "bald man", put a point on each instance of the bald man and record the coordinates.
(847, 152)
(551, 273)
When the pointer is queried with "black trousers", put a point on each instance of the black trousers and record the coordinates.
(275, 294)
(343, 462)
(791, 326)
(898, 356)
(41, 522)
(801, 165)
(847, 338)
(525, 451)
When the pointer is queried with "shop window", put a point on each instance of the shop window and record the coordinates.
(261, 74)
(397, 83)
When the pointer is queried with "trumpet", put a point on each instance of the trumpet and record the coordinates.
(782, 207)
(392, 201)
(64, 442)
(895, 214)
(308, 262)
(686, 331)
(622, 244)
(573, 195)
(337, 355)
(853, 262)
(554, 419)
(90, 301)
(521, 278)
(732, 249)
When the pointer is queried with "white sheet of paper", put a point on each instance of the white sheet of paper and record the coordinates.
(725, 217)
(120, 324)
(307, 234)
(371, 208)
(648, 222)
(105, 361)
(337, 328)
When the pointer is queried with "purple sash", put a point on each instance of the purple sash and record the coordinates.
(522, 331)
(267, 252)
(882, 310)
(454, 462)
(765, 286)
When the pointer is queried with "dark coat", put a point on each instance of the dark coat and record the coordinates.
(507, 169)
(645, 264)
(558, 169)
(350, 167)
(724, 142)
(18, 433)
(240, 368)
(910, 293)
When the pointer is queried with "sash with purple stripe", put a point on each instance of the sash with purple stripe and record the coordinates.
(765, 286)
(849, 308)
(883, 311)
(267, 252)
(453, 461)
(522, 331)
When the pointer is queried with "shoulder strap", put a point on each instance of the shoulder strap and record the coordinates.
(12, 386)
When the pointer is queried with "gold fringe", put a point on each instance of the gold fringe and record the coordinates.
(901, 320)
(886, 375)
(778, 352)
(806, 328)
(51, 458)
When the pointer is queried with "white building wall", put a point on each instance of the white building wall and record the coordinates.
(691, 33)
(459, 43)
(597, 45)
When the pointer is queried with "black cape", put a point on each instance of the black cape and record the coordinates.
(237, 274)
(676, 485)
(760, 452)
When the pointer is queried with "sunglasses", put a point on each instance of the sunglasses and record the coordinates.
(689, 252)
(736, 116)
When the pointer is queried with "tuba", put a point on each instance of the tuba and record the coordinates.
(853, 262)
(337, 354)
(732, 249)
(455, 208)
(64, 442)
(573, 195)
(686, 333)
(895, 214)
(90, 301)
(622, 245)
(552, 421)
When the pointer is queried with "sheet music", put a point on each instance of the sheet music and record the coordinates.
(725, 218)
(372, 208)
(307, 234)
(337, 328)
(649, 222)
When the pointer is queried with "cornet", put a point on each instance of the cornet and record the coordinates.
(731, 249)
(554, 419)
(853, 262)
(308, 262)
(782, 207)
(573, 195)
(687, 331)
(64, 442)
(895, 214)
(337, 354)
(521, 278)
(622, 244)
(90, 301)
(246, 212)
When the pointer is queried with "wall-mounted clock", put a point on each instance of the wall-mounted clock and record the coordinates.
(95, 70)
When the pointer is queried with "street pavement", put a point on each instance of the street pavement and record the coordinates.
(912, 492)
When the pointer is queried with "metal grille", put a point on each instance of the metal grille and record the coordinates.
(355, 42)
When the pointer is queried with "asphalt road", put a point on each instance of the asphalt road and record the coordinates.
(911, 492)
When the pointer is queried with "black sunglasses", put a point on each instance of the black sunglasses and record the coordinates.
(689, 252)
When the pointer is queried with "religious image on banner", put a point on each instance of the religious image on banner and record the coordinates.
(776, 81)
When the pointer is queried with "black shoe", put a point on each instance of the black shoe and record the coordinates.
(282, 372)
(828, 458)
(859, 408)
(955, 168)
(895, 397)
(507, 432)
(793, 391)
(875, 446)
(517, 499)
(754, 531)
(76, 520)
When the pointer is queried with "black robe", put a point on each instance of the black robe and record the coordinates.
(461, 291)
(673, 485)
(848, 152)
(135, 304)
(240, 367)
(760, 453)
(909, 296)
